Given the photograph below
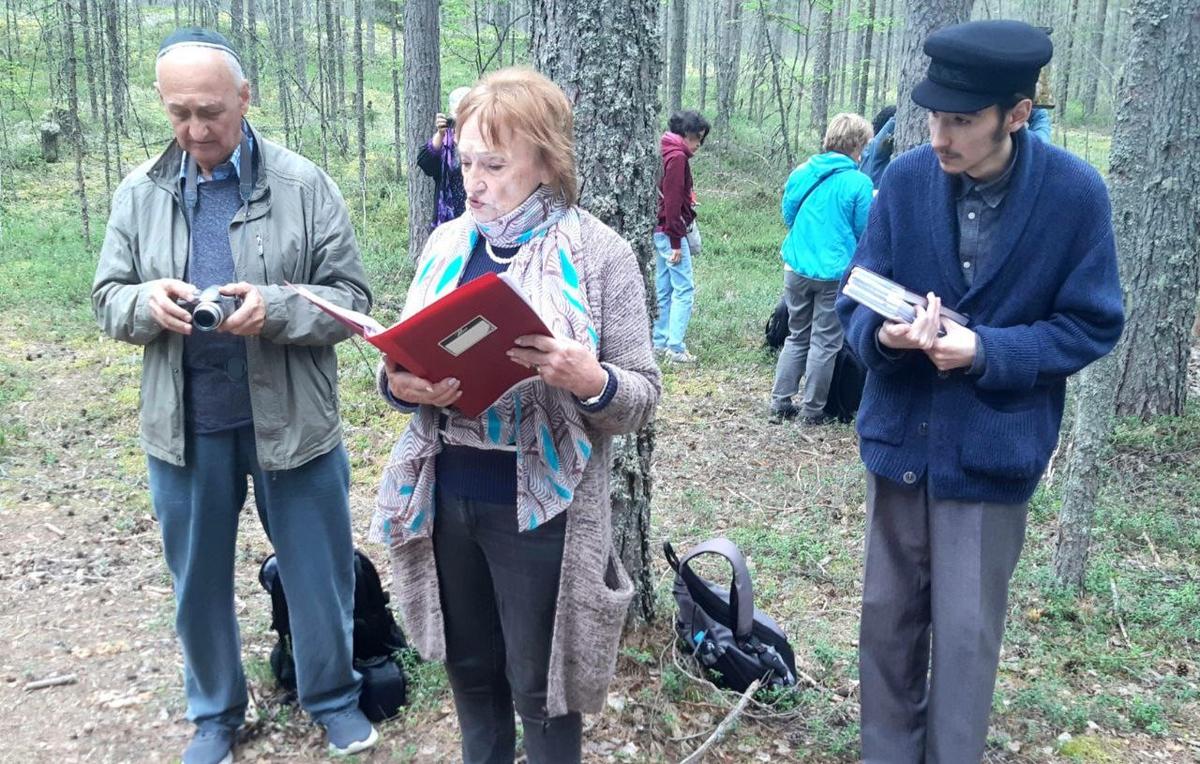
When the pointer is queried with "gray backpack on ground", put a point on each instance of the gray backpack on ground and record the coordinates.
(732, 640)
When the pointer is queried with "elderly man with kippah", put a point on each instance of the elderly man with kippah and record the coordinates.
(253, 395)
(958, 422)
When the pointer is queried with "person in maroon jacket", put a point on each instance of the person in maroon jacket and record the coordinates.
(676, 235)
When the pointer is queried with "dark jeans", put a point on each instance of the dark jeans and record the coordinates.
(499, 588)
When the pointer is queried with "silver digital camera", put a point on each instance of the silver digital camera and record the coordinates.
(210, 308)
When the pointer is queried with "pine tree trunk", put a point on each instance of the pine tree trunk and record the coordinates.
(360, 113)
(1155, 155)
(603, 54)
(923, 17)
(85, 25)
(397, 137)
(678, 53)
(298, 43)
(860, 103)
(729, 61)
(820, 86)
(1065, 62)
(236, 14)
(112, 145)
(1095, 63)
(71, 67)
(250, 52)
(1154, 164)
(422, 90)
(116, 68)
(369, 21)
(707, 13)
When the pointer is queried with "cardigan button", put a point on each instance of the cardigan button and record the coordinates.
(910, 477)
(923, 428)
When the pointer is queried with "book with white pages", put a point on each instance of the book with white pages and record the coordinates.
(889, 299)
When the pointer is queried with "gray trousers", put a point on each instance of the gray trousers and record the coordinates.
(942, 568)
(811, 348)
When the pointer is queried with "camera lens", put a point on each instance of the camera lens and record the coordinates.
(207, 316)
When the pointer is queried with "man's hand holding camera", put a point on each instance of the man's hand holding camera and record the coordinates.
(234, 308)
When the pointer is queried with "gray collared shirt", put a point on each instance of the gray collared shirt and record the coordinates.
(979, 207)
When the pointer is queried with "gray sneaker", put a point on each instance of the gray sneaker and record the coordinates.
(212, 744)
(680, 356)
(349, 732)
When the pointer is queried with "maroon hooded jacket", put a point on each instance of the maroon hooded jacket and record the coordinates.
(675, 212)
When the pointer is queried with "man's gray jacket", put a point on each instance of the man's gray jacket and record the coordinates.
(299, 232)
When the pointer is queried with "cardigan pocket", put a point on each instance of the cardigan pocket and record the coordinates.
(1013, 445)
(604, 608)
(883, 411)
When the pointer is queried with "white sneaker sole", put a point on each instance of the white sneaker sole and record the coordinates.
(357, 746)
(228, 759)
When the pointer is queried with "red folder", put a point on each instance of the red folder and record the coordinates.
(466, 335)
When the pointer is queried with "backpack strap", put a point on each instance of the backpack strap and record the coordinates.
(813, 187)
(741, 593)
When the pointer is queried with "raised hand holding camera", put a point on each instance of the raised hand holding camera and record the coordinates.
(251, 314)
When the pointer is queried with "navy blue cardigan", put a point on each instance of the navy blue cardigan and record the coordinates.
(1045, 303)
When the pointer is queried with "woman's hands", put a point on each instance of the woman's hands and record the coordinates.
(562, 363)
(410, 388)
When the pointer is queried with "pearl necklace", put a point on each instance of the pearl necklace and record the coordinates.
(487, 246)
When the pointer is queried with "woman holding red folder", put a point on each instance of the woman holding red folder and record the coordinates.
(499, 525)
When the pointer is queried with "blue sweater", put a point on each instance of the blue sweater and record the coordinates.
(1045, 304)
(825, 229)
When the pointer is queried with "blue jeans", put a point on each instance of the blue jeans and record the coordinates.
(306, 513)
(675, 290)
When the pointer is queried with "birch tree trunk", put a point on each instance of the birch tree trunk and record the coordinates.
(604, 55)
(1154, 160)
(923, 17)
(422, 87)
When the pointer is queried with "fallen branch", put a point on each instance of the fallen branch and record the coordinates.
(724, 726)
(56, 530)
(53, 681)
(1112, 582)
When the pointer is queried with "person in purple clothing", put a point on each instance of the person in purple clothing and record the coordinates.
(439, 160)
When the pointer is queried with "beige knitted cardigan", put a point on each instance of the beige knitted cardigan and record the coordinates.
(594, 590)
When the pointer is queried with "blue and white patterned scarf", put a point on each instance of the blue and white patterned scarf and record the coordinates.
(542, 424)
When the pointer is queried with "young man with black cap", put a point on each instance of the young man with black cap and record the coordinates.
(257, 396)
(958, 422)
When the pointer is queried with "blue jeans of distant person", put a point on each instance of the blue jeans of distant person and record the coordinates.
(675, 289)
(306, 514)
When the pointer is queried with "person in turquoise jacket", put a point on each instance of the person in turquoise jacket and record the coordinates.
(825, 205)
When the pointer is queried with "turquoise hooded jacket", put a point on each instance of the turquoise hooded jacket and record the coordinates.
(825, 231)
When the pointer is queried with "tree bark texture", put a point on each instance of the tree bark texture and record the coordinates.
(1156, 220)
(1154, 164)
(729, 61)
(923, 17)
(605, 55)
(820, 86)
(678, 57)
(71, 69)
(422, 89)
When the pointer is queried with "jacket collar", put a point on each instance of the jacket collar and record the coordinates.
(1020, 201)
(164, 173)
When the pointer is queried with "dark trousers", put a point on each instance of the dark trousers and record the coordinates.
(937, 568)
(499, 588)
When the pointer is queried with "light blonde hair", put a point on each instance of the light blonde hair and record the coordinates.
(847, 134)
(520, 101)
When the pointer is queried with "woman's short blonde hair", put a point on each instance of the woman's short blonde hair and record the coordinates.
(520, 101)
(847, 134)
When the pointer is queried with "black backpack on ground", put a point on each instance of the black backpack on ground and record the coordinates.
(732, 640)
(776, 329)
(377, 638)
(846, 387)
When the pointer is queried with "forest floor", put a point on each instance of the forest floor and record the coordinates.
(84, 592)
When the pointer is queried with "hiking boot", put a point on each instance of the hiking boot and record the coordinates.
(349, 732)
(817, 420)
(680, 356)
(785, 411)
(212, 744)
